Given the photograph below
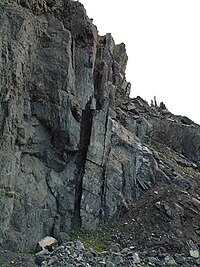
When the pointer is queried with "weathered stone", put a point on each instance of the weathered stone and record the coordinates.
(194, 253)
(136, 258)
(79, 245)
(178, 136)
(74, 148)
(164, 208)
(110, 264)
(114, 247)
(179, 258)
(46, 242)
(63, 238)
(170, 261)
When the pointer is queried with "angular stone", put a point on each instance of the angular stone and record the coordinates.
(79, 245)
(170, 261)
(194, 253)
(110, 264)
(46, 242)
(136, 258)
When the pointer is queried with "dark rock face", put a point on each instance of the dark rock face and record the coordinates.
(74, 148)
(180, 136)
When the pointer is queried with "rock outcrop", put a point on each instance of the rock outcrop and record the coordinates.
(74, 148)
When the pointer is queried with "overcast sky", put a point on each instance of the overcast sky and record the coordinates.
(162, 39)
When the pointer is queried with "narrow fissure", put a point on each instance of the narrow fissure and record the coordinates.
(98, 94)
(57, 203)
(103, 212)
(52, 191)
(86, 126)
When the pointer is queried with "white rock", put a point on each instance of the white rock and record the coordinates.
(46, 242)
(136, 258)
(194, 253)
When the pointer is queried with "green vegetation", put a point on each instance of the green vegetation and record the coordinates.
(95, 239)
(162, 106)
(32, 252)
(157, 105)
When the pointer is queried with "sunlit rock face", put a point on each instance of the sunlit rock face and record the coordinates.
(74, 148)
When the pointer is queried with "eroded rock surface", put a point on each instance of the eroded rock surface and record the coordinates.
(74, 148)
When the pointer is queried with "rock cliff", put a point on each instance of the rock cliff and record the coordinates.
(74, 148)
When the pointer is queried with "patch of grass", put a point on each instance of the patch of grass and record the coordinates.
(32, 252)
(95, 239)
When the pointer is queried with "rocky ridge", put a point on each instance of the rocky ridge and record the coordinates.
(75, 150)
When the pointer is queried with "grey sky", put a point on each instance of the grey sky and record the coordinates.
(162, 38)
